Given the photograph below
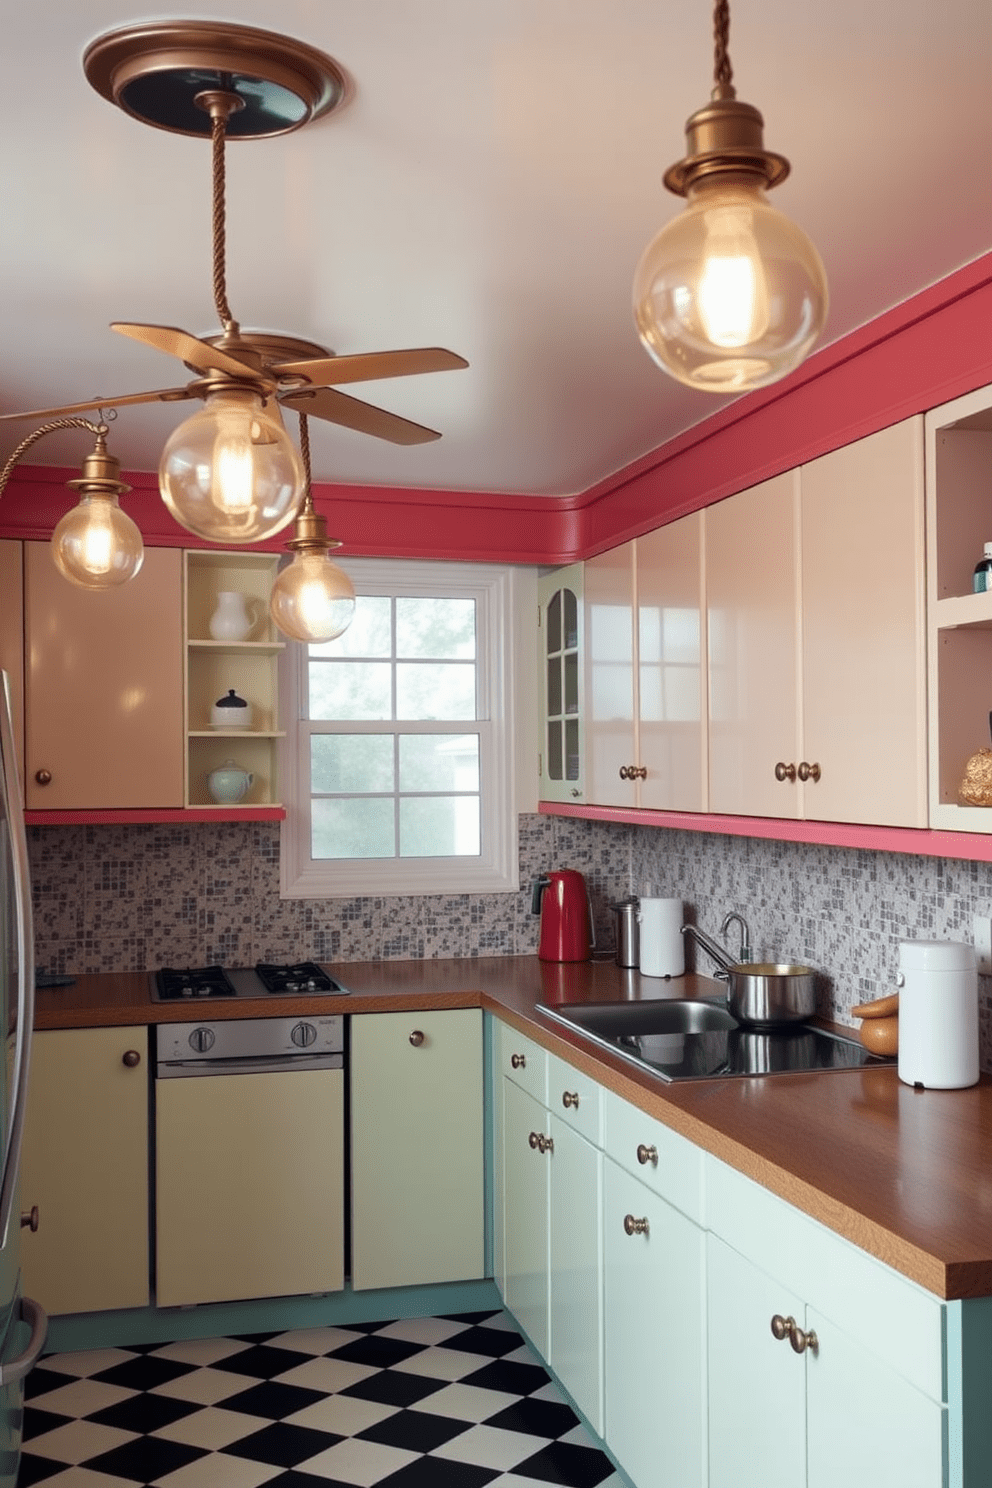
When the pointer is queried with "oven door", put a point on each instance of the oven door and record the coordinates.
(249, 1184)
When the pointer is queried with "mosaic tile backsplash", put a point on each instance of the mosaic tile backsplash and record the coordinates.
(133, 898)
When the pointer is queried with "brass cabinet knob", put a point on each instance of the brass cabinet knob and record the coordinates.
(547, 1144)
(808, 772)
(784, 771)
(416, 1038)
(29, 1221)
(534, 1140)
(624, 771)
(782, 1326)
(802, 1341)
(43, 777)
(647, 1155)
(518, 1061)
(570, 1098)
(576, 792)
(634, 1226)
(638, 772)
(132, 1059)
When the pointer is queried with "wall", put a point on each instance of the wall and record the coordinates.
(138, 897)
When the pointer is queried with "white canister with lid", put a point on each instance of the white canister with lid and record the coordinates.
(938, 1014)
(662, 946)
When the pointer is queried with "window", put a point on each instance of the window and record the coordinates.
(399, 761)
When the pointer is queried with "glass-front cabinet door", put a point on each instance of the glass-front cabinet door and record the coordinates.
(562, 749)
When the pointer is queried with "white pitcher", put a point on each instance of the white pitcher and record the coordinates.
(234, 617)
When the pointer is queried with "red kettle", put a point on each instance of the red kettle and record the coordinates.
(561, 900)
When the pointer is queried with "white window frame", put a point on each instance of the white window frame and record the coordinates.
(496, 870)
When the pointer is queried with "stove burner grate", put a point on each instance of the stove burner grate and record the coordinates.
(194, 982)
(303, 976)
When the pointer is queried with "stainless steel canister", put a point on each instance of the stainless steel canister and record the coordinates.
(628, 938)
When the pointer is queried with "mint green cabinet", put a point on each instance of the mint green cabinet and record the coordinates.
(526, 1183)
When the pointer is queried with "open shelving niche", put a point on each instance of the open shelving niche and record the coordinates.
(213, 667)
(959, 523)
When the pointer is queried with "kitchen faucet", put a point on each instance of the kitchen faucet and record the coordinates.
(745, 952)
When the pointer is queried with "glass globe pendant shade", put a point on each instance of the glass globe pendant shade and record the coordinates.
(96, 545)
(730, 295)
(231, 473)
(312, 599)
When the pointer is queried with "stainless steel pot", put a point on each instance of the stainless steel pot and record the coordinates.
(763, 994)
(767, 994)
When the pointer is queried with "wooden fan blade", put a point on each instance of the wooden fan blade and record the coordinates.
(181, 344)
(162, 395)
(371, 366)
(351, 413)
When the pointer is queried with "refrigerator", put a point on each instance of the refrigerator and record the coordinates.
(23, 1324)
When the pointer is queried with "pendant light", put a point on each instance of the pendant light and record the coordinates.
(95, 545)
(312, 599)
(731, 294)
(230, 473)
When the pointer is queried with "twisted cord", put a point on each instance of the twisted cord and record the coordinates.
(723, 73)
(100, 430)
(305, 456)
(218, 130)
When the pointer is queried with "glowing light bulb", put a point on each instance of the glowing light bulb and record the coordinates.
(312, 599)
(730, 295)
(96, 545)
(231, 473)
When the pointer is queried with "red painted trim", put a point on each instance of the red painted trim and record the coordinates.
(128, 816)
(923, 843)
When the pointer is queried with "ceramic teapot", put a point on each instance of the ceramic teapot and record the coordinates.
(235, 616)
(229, 783)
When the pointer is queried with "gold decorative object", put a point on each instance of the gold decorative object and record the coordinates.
(976, 786)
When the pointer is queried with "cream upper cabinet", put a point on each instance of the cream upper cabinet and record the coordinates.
(85, 1165)
(104, 687)
(752, 605)
(815, 612)
(644, 684)
(12, 636)
(863, 623)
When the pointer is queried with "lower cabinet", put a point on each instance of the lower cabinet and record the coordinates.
(249, 1186)
(417, 1187)
(84, 1163)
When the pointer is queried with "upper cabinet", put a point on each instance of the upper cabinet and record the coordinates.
(103, 687)
(815, 608)
(560, 625)
(231, 646)
(959, 524)
(644, 676)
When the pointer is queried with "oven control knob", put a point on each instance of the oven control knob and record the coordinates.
(202, 1039)
(303, 1034)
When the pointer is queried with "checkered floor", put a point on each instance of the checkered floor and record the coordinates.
(443, 1402)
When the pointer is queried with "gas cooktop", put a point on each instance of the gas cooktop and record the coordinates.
(265, 979)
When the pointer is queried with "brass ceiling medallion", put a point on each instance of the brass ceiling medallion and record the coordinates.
(154, 72)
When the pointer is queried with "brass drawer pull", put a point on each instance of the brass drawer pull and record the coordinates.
(782, 1326)
(808, 772)
(570, 1098)
(634, 1226)
(132, 1059)
(43, 777)
(416, 1038)
(647, 1155)
(784, 771)
(518, 1061)
(534, 1140)
(802, 1341)
(29, 1221)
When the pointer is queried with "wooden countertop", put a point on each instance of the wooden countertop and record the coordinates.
(904, 1174)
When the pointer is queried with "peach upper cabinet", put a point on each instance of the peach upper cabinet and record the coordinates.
(816, 638)
(644, 683)
(104, 687)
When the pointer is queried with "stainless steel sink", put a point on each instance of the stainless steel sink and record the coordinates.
(682, 1039)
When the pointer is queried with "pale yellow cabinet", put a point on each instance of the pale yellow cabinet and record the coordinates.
(104, 687)
(85, 1165)
(644, 675)
(959, 524)
(217, 664)
(12, 636)
(416, 1148)
(815, 619)
(249, 1186)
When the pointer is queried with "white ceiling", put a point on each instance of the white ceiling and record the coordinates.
(489, 187)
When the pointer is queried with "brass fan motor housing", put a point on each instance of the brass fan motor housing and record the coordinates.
(155, 70)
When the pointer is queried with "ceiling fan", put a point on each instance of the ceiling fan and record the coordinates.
(227, 81)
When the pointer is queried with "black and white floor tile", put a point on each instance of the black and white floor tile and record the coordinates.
(441, 1402)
